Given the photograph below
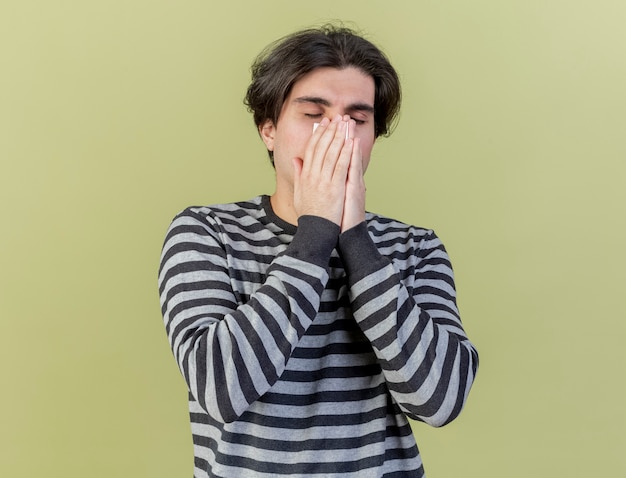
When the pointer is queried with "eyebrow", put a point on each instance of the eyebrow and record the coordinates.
(324, 102)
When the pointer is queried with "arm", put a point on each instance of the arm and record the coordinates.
(413, 325)
(230, 353)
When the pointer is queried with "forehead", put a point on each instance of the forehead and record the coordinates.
(334, 84)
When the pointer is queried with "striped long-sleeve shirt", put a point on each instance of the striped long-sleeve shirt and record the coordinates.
(306, 350)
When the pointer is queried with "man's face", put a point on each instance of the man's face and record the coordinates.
(325, 92)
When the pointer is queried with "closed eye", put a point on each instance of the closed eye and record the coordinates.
(319, 115)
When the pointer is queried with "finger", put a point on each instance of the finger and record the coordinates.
(335, 148)
(312, 163)
(351, 128)
(318, 149)
(319, 128)
(355, 173)
(342, 169)
(342, 166)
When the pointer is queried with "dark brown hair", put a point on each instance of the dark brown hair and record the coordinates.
(284, 62)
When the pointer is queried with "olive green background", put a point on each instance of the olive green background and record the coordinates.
(116, 115)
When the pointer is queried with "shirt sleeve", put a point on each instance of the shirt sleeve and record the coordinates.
(230, 353)
(412, 321)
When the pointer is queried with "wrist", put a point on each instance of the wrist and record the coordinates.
(358, 251)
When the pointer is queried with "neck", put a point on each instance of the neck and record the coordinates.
(282, 204)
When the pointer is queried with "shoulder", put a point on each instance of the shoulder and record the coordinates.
(227, 211)
(409, 247)
(216, 216)
(215, 219)
(401, 241)
(384, 229)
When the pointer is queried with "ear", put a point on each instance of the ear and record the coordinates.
(267, 131)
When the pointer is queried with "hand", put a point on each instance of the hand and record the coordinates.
(320, 179)
(354, 203)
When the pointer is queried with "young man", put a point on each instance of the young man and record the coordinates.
(309, 331)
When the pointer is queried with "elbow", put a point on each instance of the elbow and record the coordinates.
(445, 404)
(437, 423)
(438, 419)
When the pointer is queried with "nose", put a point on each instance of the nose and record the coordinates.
(339, 115)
